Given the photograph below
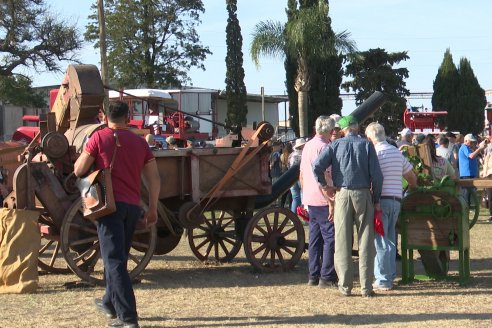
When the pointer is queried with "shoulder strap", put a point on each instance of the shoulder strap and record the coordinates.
(117, 144)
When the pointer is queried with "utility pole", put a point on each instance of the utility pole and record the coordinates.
(262, 103)
(102, 49)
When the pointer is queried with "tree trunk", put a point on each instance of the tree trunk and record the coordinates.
(302, 98)
(302, 87)
(102, 49)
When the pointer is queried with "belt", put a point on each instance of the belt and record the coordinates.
(398, 199)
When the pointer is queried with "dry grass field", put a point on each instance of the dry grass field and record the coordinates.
(178, 291)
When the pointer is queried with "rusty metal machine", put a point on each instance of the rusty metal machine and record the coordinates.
(44, 181)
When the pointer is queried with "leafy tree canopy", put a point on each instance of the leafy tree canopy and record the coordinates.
(150, 43)
(306, 38)
(373, 70)
(17, 90)
(31, 37)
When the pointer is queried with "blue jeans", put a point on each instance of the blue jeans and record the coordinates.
(385, 260)
(115, 232)
(295, 191)
(321, 247)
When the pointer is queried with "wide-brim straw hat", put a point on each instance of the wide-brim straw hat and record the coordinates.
(299, 143)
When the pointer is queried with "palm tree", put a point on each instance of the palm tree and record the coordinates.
(307, 35)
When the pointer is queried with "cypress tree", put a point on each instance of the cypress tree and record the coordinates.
(237, 109)
(445, 96)
(471, 100)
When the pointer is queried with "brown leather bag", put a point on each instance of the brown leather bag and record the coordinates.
(96, 191)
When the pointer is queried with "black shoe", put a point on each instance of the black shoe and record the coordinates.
(327, 284)
(313, 282)
(369, 294)
(398, 257)
(124, 324)
(109, 312)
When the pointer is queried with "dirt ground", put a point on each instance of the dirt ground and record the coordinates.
(178, 291)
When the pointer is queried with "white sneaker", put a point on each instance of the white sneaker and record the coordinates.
(381, 288)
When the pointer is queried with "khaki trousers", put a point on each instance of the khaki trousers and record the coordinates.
(354, 207)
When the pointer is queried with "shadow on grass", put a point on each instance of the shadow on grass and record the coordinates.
(198, 275)
(366, 319)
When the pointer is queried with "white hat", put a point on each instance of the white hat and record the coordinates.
(171, 140)
(337, 118)
(470, 137)
(406, 132)
(299, 143)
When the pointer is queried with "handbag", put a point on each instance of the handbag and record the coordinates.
(96, 191)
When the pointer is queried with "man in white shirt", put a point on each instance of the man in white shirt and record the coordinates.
(393, 166)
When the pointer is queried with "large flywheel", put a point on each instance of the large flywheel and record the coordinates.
(80, 247)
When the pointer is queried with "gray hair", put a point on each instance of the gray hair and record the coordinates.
(375, 131)
(324, 124)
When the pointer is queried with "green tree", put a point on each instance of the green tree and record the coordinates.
(325, 78)
(471, 102)
(17, 90)
(302, 38)
(373, 70)
(150, 43)
(31, 37)
(235, 88)
(444, 97)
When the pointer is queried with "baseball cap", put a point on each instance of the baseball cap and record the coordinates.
(406, 132)
(450, 134)
(347, 121)
(420, 138)
(470, 137)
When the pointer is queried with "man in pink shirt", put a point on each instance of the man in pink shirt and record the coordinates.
(320, 203)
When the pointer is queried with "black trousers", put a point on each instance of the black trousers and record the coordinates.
(115, 233)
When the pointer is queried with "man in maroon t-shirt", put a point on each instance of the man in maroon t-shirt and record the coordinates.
(115, 231)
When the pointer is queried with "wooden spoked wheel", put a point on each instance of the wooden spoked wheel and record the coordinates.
(80, 247)
(216, 238)
(274, 240)
(50, 258)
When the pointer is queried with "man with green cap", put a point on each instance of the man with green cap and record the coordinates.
(358, 181)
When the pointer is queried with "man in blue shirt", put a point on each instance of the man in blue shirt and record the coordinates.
(468, 157)
(358, 181)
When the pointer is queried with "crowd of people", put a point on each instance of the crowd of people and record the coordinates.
(346, 177)
(345, 180)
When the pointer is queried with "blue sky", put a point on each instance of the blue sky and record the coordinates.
(423, 28)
